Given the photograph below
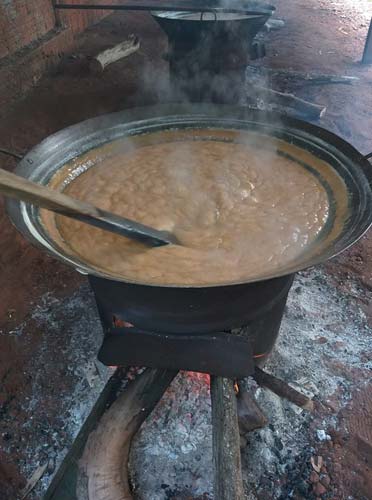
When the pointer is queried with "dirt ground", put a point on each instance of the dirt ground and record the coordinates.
(319, 35)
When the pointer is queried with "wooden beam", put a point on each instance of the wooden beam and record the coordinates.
(228, 483)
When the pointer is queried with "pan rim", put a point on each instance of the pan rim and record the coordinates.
(147, 118)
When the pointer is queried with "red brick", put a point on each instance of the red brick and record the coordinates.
(23, 22)
(17, 77)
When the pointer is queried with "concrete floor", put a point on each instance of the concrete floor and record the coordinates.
(48, 328)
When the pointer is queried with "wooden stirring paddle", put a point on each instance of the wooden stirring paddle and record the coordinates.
(14, 186)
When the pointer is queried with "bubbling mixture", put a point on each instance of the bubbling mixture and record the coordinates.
(239, 211)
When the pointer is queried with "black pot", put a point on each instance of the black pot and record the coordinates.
(209, 51)
(190, 29)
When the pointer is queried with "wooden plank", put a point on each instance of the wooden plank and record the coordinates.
(228, 482)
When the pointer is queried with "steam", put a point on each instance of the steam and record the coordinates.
(182, 165)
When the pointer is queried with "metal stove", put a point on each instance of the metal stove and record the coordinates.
(218, 330)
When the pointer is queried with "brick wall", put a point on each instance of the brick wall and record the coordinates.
(43, 35)
(79, 20)
(25, 21)
(22, 22)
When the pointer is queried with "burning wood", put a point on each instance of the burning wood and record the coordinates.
(103, 467)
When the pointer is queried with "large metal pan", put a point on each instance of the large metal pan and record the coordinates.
(347, 176)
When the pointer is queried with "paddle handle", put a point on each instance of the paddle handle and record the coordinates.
(22, 189)
(17, 187)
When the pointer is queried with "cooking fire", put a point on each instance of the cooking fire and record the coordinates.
(187, 195)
